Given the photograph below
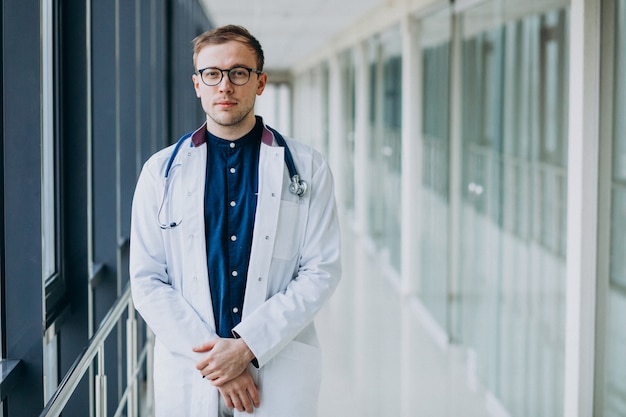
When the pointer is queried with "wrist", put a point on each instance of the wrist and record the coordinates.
(246, 353)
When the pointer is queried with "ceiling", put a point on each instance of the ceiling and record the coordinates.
(289, 30)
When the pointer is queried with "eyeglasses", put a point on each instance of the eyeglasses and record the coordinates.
(237, 75)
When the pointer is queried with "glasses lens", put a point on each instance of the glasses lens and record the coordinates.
(211, 76)
(239, 76)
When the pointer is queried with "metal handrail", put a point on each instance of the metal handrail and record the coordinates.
(95, 347)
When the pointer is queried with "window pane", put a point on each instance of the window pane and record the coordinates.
(435, 207)
(513, 211)
(348, 97)
(384, 153)
(615, 360)
(48, 155)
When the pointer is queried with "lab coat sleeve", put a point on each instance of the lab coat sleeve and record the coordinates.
(173, 320)
(284, 315)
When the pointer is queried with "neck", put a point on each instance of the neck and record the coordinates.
(231, 132)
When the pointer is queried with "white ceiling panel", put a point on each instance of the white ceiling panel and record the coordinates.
(289, 30)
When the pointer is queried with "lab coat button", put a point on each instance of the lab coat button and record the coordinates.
(189, 194)
(260, 279)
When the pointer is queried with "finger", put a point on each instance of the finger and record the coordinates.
(246, 402)
(228, 401)
(205, 347)
(253, 393)
(217, 379)
(202, 365)
(236, 400)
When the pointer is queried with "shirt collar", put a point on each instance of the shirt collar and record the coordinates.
(199, 136)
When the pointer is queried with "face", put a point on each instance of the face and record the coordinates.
(229, 108)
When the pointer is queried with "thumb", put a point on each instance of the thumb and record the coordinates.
(205, 347)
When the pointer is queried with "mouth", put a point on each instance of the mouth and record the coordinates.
(225, 104)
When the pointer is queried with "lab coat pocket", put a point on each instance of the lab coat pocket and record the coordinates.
(290, 382)
(288, 231)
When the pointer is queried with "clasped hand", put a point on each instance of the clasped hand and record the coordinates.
(225, 366)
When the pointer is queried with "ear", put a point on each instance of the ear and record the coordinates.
(196, 84)
(261, 83)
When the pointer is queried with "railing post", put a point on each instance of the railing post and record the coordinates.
(150, 369)
(131, 361)
(101, 385)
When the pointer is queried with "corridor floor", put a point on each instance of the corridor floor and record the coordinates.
(379, 358)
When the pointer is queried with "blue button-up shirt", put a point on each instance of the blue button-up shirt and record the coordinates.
(229, 207)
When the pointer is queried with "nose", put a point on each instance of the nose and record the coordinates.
(225, 83)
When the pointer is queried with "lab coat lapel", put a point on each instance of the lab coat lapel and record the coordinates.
(271, 171)
(193, 239)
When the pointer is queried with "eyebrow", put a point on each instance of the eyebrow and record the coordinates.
(231, 67)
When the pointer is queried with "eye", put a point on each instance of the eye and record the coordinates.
(211, 73)
(239, 72)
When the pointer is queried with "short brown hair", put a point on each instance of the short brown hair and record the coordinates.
(225, 34)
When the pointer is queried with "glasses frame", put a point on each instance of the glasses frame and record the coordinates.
(238, 67)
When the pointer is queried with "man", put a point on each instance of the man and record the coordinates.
(228, 267)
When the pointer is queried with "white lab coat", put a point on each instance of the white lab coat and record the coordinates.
(294, 268)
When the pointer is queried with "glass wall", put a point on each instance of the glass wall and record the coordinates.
(513, 210)
(374, 148)
(384, 154)
(615, 359)
(348, 107)
(311, 94)
(435, 203)
(392, 143)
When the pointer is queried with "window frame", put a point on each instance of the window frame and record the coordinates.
(55, 299)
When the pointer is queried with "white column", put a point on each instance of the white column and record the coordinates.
(412, 160)
(456, 163)
(361, 137)
(411, 153)
(582, 207)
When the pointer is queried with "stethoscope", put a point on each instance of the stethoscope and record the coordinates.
(297, 186)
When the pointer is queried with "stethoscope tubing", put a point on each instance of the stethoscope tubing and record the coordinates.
(297, 186)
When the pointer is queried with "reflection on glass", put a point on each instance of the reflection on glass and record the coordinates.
(615, 360)
(513, 211)
(435, 202)
(384, 154)
(348, 101)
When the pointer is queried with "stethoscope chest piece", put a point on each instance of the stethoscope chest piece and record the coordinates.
(298, 187)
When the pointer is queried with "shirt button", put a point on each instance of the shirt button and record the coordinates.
(232, 145)
(233, 204)
(233, 238)
(235, 310)
(234, 273)
(232, 170)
